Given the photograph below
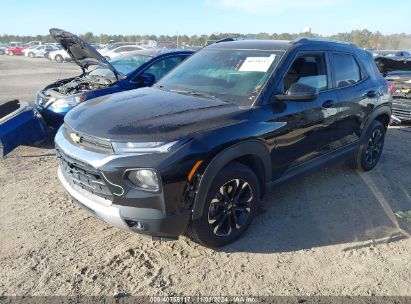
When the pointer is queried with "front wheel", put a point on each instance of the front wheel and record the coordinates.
(31, 55)
(371, 148)
(230, 207)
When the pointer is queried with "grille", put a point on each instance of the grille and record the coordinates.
(88, 142)
(83, 176)
(402, 114)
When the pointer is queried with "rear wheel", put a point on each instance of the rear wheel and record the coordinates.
(31, 55)
(230, 207)
(371, 148)
(59, 58)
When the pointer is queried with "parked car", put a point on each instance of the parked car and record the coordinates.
(134, 70)
(15, 50)
(3, 49)
(397, 72)
(196, 152)
(39, 51)
(391, 53)
(35, 43)
(114, 45)
(111, 54)
(59, 56)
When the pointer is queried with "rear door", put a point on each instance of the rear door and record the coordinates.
(356, 94)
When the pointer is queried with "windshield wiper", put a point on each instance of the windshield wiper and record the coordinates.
(194, 93)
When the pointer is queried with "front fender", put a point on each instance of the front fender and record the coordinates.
(253, 147)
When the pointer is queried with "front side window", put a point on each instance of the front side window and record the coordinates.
(309, 69)
(345, 70)
(235, 76)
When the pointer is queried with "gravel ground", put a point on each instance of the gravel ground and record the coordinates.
(332, 232)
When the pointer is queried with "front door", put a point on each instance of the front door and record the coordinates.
(309, 126)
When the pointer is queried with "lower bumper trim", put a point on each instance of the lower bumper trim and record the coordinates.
(109, 214)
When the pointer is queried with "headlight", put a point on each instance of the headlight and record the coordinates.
(143, 147)
(144, 178)
(69, 102)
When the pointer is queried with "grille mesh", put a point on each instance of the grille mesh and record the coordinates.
(83, 176)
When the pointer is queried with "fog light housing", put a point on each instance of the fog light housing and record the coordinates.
(146, 179)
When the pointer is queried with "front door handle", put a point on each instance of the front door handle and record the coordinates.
(328, 104)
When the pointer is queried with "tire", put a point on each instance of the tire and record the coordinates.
(59, 58)
(227, 213)
(11, 53)
(370, 149)
(31, 55)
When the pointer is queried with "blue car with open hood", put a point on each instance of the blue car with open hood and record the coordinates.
(99, 77)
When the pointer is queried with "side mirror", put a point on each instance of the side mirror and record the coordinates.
(146, 79)
(299, 92)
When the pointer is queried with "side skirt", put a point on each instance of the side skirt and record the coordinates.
(339, 155)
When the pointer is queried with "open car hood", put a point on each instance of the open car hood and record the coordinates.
(80, 51)
(386, 64)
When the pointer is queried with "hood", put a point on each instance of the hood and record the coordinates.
(386, 64)
(80, 51)
(151, 114)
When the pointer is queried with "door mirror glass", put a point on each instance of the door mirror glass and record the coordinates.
(299, 92)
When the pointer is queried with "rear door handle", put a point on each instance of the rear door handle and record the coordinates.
(328, 104)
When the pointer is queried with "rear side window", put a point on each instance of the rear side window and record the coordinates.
(369, 64)
(345, 69)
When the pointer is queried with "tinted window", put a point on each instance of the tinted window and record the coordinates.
(162, 67)
(307, 69)
(345, 69)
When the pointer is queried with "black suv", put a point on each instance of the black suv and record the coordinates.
(195, 153)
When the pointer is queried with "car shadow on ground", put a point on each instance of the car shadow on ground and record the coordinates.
(336, 205)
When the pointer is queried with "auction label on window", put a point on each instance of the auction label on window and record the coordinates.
(257, 64)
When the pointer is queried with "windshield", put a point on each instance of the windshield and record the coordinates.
(235, 76)
(125, 65)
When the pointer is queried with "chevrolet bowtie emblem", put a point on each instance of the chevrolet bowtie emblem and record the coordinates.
(75, 138)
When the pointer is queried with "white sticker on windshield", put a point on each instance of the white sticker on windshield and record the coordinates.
(257, 64)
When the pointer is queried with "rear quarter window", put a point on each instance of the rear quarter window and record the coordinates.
(346, 70)
(370, 66)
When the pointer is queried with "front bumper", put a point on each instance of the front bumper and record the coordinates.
(143, 212)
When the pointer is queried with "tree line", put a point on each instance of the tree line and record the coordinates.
(362, 38)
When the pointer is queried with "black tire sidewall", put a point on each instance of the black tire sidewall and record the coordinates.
(201, 226)
(59, 58)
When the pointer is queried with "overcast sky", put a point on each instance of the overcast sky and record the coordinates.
(190, 17)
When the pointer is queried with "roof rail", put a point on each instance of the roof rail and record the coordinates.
(319, 40)
(227, 39)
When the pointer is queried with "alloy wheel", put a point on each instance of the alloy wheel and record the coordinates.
(230, 207)
(374, 147)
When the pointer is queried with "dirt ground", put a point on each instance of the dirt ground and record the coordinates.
(332, 232)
